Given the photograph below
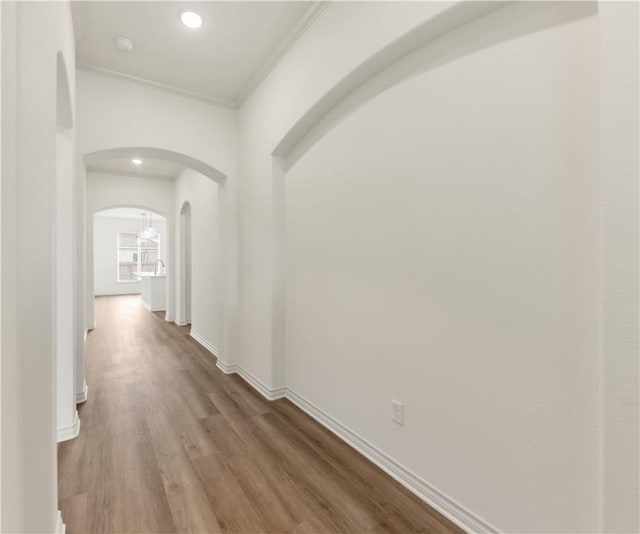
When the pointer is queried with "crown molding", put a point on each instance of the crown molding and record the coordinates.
(301, 26)
(292, 36)
(117, 172)
(215, 100)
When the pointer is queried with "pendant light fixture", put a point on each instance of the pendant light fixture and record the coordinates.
(148, 232)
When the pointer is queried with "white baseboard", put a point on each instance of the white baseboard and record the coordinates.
(419, 487)
(82, 395)
(91, 326)
(227, 369)
(71, 431)
(267, 392)
(148, 307)
(204, 342)
(425, 491)
(180, 323)
(60, 526)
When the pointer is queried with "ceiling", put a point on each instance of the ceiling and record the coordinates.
(150, 168)
(236, 47)
(128, 213)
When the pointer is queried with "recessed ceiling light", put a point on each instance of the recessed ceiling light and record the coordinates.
(136, 161)
(191, 19)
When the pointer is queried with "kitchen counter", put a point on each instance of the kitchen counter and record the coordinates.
(154, 291)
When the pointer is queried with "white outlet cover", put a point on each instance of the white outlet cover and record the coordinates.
(398, 412)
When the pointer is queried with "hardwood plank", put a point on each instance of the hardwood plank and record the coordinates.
(190, 508)
(265, 498)
(196, 441)
(400, 507)
(233, 509)
(127, 494)
(243, 394)
(304, 465)
(301, 502)
(228, 406)
(75, 507)
(169, 443)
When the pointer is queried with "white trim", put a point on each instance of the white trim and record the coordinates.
(227, 369)
(215, 100)
(82, 396)
(425, 491)
(266, 66)
(71, 431)
(267, 392)
(60, 526)
(257, 384)
(91, 326)
(435, 498)
(180, 323)
(298, 29)
(212, 349)
(149, 308)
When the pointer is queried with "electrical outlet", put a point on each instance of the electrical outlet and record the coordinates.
(398, 412)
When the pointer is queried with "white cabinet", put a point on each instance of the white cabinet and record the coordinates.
(154, 291)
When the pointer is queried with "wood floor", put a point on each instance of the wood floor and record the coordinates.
(168, 443)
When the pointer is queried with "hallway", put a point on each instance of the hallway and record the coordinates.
(169, 443)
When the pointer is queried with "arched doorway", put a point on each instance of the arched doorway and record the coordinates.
(115, 159)
(164, 181)
(130, 246)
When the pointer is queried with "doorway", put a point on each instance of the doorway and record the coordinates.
(130, 245)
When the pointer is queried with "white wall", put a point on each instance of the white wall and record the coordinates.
(619, 217)
(65, 298)
(32, 34)
(115, 113)
(105, 252)
(65, 249)
(109, 191)
(11, 459)
(442, 250)
(518, 89)
(563, 368)
(207, 284)
(80, 281)
(322, 56)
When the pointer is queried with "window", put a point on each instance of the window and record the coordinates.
(136, 255)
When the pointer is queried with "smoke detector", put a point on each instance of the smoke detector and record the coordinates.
(124, 45)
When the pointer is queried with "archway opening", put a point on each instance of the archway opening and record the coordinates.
(193, 197)
(130, 245)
